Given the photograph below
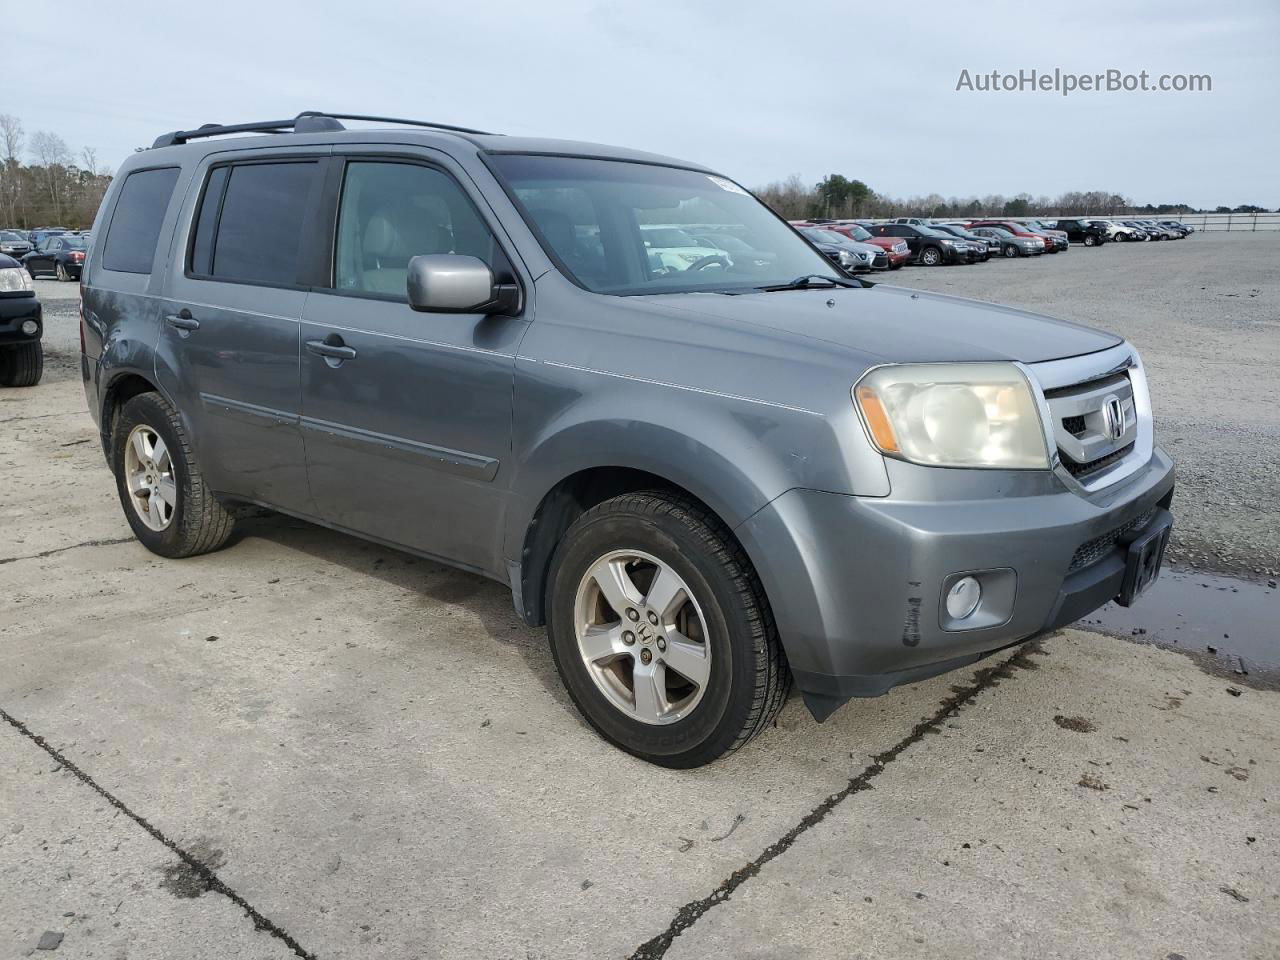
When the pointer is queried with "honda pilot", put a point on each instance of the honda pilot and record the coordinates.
(708, 474)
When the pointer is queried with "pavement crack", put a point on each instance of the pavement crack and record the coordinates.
(210, 879)
(73, 546)
(962, 696)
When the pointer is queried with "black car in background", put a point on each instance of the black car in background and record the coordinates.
(62, 256)
(928, 246)
(1088, 232)
(21, 325)
(983, 248)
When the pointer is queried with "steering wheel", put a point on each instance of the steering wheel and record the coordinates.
(708, 261)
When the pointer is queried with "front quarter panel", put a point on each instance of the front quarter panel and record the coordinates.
(735, 416)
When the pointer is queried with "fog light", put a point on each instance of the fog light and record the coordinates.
(30, 327)
(963, 597)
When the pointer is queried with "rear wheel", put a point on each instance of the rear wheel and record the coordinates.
(661, 631)
(21, 366)
(161, 489)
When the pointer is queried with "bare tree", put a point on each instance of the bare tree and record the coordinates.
(53, 156)
(10, 180)
(90, 157)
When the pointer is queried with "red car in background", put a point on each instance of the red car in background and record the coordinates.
(1052, 242)
(897, 249)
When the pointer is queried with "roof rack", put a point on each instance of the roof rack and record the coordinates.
(308, 121)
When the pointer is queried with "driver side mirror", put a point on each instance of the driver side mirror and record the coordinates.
(453, 283)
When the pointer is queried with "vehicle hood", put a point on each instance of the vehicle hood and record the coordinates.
(898, 325)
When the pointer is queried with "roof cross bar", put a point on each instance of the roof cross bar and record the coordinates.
(309, 121)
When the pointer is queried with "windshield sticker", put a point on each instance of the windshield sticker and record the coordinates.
(729, 185)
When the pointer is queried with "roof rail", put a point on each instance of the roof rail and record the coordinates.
(308, 121)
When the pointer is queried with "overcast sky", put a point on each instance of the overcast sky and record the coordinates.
(759, 90)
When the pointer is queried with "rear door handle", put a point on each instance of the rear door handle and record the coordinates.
(183, 320)
(331, 350)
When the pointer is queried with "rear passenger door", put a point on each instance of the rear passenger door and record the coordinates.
(229, 336)
(406, 415)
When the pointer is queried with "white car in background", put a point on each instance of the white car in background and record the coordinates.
(674, 250)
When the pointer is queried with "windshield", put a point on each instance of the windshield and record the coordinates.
(858, 233)
(9, 235)
(998, 231)
(930, 231)
(629, 228)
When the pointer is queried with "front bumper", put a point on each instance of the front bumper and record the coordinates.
(856, 583)
(14, 311)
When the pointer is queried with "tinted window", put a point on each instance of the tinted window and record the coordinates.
(135, 225)
(202, 248)
(259, 236)
(392, 212)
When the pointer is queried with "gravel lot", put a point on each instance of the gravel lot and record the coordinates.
(306, 745)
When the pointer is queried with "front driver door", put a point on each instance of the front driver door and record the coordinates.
(406, 416)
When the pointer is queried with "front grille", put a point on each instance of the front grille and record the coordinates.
(1091, 551)
(1074, 425)
(1079, 470)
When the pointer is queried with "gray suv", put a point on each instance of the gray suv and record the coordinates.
(707, 473)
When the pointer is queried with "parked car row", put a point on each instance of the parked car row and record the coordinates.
(47, 251)
(932, 243)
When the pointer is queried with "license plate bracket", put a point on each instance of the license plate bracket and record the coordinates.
(1144, 556)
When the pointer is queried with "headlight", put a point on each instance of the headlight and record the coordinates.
(15, 280)
(846, 258)
(953, 415)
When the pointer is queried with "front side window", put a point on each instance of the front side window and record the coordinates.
(130, 245)
(252, 231)
(628, 228)
(391, 212)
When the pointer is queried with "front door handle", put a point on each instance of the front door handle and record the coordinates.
(183, 320)
(331, 348)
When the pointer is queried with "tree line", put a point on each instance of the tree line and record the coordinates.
(54, 188)
(839, 197)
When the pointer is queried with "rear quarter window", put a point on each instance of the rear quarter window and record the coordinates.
(130, 246)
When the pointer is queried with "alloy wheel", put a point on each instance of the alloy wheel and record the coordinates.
(148, 468)
(642, 637)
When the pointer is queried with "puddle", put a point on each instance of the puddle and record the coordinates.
(1230, 627)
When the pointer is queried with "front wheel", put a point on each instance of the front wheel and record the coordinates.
(22, 366)
(661, 632)
(161, 489)
(931, 256)
(61, 273)
(1011, 251)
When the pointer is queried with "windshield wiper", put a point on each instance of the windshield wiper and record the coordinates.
(800, 283)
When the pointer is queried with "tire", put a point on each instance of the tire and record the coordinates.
(1011, 251)
(197, 522)
(1090, 240)
(60, 272)
(22, 366)
(745, 675)
(931, 256)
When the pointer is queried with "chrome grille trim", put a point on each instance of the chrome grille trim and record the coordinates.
(1054, 376)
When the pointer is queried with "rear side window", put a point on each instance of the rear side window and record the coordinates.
(135, 225)
(252, 230)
